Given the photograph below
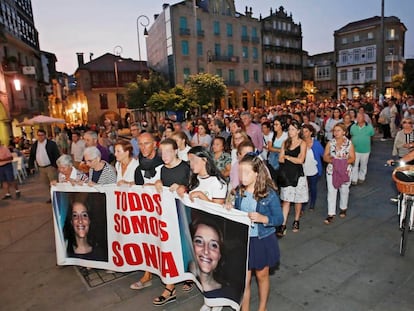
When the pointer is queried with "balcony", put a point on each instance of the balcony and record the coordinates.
(245, 38)
(185, 31)
(225, 59)
(200, 33)
(255, 40)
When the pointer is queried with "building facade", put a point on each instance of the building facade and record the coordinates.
(322, 71)
(360, 58)
(21, 87)
(212, 38)
(101, 88)
(282, 54)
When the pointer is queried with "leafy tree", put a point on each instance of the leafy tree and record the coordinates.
(139, 92)
(409, 77)
(205, 89)
(175, 99)
(398, 83)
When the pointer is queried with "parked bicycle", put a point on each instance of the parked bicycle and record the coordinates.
(403, 177)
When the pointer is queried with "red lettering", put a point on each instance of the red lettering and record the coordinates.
(126, 229)
(133, 255)
(168, 265)
(134, 202)
(117, 194)
(139, 224)
(117, 226)
(124, 202)
(117, 259)
(163, 233)
(147, 202)
(151, 255)
(153, 222)
(157, 199)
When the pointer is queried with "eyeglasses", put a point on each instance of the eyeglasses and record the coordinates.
(212, 245)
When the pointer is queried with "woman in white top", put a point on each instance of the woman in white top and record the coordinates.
(183, 144)
(125, 164)
(206, 181)
(201, 138)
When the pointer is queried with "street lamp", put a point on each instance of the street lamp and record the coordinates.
(144, 24)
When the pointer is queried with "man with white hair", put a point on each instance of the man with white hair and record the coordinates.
(91, 140)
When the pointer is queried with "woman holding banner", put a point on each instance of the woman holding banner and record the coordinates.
(174, 172)
(125, 164)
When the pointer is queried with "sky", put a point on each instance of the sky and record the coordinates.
(98, 26)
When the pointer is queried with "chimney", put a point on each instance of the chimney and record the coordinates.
(156, 16)
(90, 56)
(80, 59)
(165, 5)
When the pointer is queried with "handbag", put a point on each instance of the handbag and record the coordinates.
(381, 120)
(273, 160)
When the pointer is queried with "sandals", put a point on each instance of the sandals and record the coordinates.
(329, 220)
(281, 231)
(161, 300)
(188, 286)
(140, 285)
(342, 213)
(295, 226)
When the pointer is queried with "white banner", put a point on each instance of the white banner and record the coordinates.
(136, 228)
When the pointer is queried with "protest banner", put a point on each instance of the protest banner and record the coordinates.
(136, 228)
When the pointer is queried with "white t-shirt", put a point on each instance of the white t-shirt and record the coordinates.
(77, 149)
(183, 154)
(212, 187)
(266, 139)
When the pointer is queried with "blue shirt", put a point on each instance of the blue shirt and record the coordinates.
(248, 204)
(135, 147)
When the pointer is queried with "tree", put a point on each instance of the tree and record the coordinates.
(409, 77)
(398, 83)
(175, 99)
(139, 92)
(205, 89)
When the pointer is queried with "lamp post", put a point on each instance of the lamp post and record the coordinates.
(117, 51)
(144, 24)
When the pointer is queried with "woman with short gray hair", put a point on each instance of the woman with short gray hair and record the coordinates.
(100, 171)
(67, 172)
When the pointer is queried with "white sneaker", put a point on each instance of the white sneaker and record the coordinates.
(205, 308)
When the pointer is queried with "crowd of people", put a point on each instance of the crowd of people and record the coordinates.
(265, 158)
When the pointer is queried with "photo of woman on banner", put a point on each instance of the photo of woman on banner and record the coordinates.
(220, 274)
(80, 234)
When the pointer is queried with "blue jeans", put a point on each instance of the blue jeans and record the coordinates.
(313, 189)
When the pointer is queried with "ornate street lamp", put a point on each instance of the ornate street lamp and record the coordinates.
(144, 24)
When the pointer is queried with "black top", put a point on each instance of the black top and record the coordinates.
(179, 175)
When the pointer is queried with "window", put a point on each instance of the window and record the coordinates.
(268, 76)
(355, 74)
(255, 53)
(246, 75)
(356, 38)
(277, 42)
(244, 31)
(230, 50)
(357, 54)
(183, 22)
(217, 49)
(370, 53)
(344, 40)
(120, 101)
(219, 72)
(391, 34)
(245, 52)
(216, 28)
(103, 100)
(343, 75)
(256, 76)
(370, 36)
(369, 73)
(254, 32)
(344, 58)
(266, 40)
(184, 47)
(232, 76)
(186, 72)
(199, 27)
(229, 28)
(200, 48)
